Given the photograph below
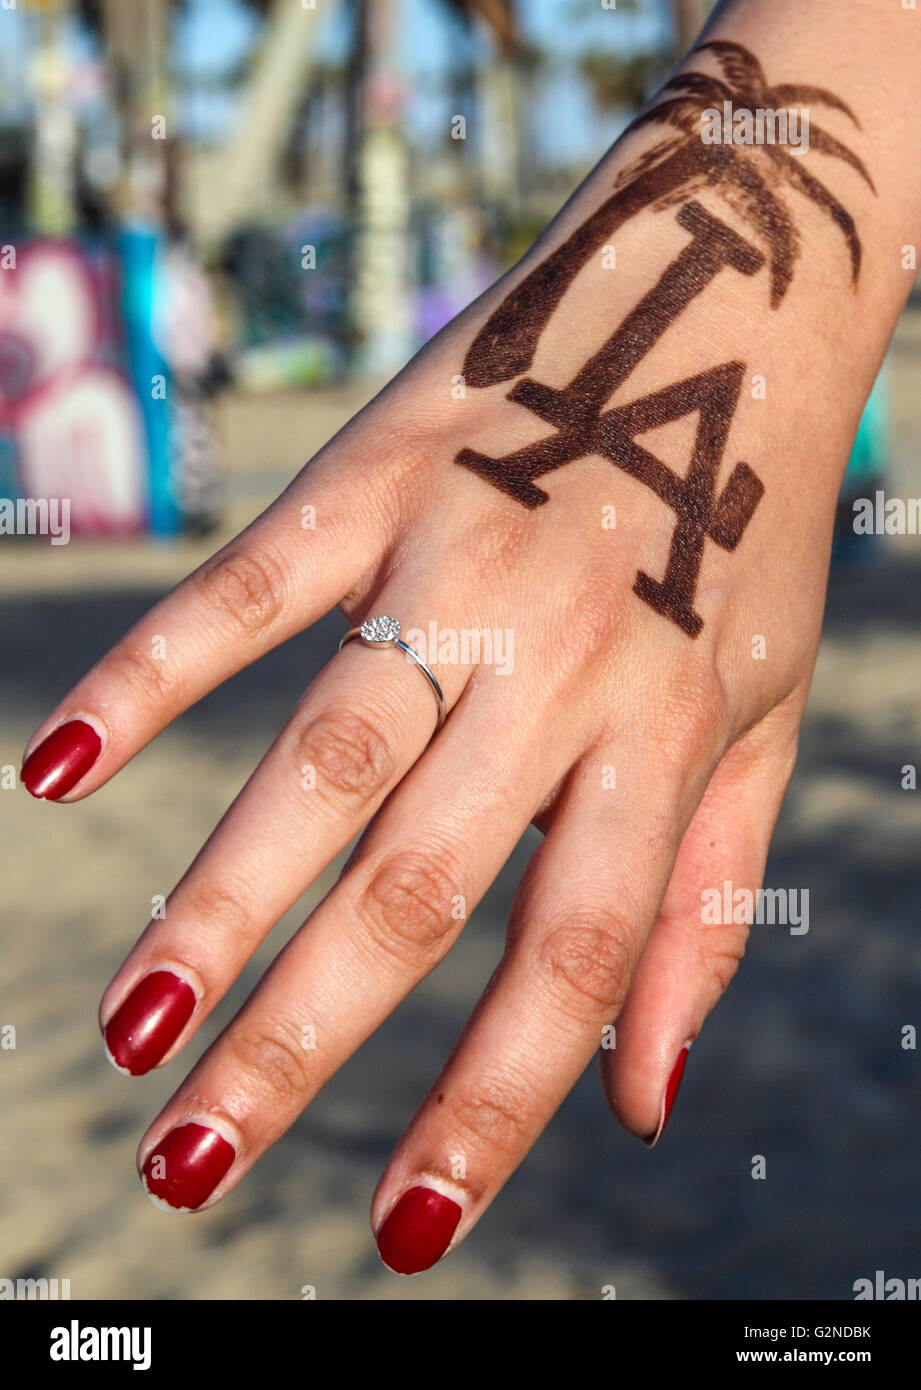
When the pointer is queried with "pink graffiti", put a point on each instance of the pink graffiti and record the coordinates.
(74, 421)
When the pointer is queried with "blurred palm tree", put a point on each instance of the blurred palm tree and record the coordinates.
(618, 84)
(499, 16)
(618, 80)
(621, 81)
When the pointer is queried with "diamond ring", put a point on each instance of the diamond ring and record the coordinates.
(384, 631)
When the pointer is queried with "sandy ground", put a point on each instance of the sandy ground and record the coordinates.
(801, 1063)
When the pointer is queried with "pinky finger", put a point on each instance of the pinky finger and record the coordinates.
(695, 946)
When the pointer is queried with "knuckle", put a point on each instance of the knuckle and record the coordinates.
(494, 550)
(720, 955)
(592, 622)
(393, 489)
(720, 967)
(587, 965)
(247, 589)
(694, 710)
(272, 1052)
(408, 905)
(493, 1116)
(222, 907)
(148, 680)
(686, 724)
(350, 754)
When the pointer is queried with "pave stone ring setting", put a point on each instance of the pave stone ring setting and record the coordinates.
(379, 632)
(384, 631)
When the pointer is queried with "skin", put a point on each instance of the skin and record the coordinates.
(607, 922)
(584, 428)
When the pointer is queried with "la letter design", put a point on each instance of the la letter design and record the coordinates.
(667, 174)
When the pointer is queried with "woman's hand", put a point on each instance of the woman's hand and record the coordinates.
(624, 663)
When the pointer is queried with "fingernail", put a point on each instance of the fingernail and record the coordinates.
(418, 1231)
(186, 1166)
(144, 1028)
(671, 1092)
(57, 764)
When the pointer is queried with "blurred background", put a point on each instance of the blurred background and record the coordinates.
(223, 225)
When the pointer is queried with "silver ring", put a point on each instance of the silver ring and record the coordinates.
(384, 631)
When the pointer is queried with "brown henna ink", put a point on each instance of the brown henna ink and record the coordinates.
(671, 172)
(665, 175)
(582, 428)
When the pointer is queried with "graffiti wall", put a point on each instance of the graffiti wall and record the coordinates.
(98, 407)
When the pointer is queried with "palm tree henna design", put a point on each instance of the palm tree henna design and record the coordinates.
(670, 172)
(667, 174)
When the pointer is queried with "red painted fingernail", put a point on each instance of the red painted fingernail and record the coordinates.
(57, 764)
(144, 1028)
(671, 1091)
(187, 1165)
(418, 1231)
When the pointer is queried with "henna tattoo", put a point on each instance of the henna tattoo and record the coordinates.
(672, 171)
(667, 174)
(582, 429)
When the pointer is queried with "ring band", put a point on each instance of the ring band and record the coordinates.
(384, 631)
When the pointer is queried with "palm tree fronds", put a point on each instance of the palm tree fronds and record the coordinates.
(648, 159)
(814, 189)
(676, 111)
(741, 67)
(827, 144)
(749, 193)
(797, 94)
(700, 85)
(735, 175)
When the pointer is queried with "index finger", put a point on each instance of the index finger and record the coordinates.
(280, 574)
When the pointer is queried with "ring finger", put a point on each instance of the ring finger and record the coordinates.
(360, 726)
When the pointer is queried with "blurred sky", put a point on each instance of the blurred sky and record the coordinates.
(212, 39)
